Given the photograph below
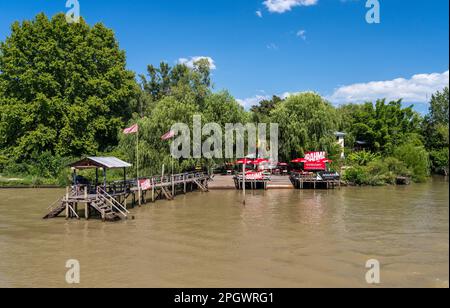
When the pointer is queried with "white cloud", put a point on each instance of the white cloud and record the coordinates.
(190, 62)
(302, 34)
(417, 89)
(272, 46)
(282, 6)
(259, 14)
(255, 100)
(252, 101)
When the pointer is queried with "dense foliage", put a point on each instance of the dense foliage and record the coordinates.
(65, 92)
(64, 89)
(436, 131)
(307, 123)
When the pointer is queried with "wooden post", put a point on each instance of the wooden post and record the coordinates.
(67, 202)
(243, 182)
(173, 186)
(153, 189)
(184, 183)
(104, 179)
(139, 192)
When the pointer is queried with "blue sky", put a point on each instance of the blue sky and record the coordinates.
(261, 48)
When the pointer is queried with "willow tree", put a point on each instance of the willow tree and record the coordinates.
(64, 88)
(154, 152)
(307, 122)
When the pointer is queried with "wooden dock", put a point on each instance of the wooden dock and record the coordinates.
(110, 203)
(313, 181)
(251, 184)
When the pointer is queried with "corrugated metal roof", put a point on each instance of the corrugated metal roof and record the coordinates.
(110, 162)
(101, 162)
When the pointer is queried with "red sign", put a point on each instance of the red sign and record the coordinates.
(315, 166)
(316, 161)
(315, 156)
(145, 184)
(254, 176)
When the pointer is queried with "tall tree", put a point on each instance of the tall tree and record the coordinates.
(261, 112)
(439, 107)
(436, 131)
(307, 123)
(182, 82)
(383, 126)
(64, 88)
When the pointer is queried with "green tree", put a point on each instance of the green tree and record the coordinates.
(415, 158)
(307, 123)
(382, 125)
(439, 107)
(155, 152)
(64, 88)
(222, 108)
(261, 112)
(180, 81)
(436, 131)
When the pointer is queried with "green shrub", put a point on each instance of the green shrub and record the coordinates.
(356, 175)
(396, 166)
(362, 158)
(440, 161)
(416, 159)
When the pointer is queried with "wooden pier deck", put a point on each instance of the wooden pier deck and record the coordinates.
(313, 181)
(111, 203)
(251, 184)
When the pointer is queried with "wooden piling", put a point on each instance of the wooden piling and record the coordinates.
(153, 190)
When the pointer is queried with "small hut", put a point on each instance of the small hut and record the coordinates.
(97, 163)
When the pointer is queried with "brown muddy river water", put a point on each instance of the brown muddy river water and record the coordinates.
(283, 238)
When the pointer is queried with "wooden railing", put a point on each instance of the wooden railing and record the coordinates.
(105, 197)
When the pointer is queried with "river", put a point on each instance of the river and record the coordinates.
(281, 238)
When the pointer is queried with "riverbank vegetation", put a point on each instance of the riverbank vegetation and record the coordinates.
(65, 92)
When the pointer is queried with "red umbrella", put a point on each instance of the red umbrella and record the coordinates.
(245, 161)
(261, 161)
(299, 160)
(283, 164)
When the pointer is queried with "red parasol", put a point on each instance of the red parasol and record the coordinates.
(245, 161)
(299, 161)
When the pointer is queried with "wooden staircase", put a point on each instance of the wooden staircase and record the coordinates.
(57, 208)
(106, 211)
(108, 207)
(202, 187)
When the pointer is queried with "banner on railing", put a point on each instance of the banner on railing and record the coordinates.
(145, 184)
(254, 176)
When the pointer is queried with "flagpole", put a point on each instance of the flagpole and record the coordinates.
(137, 168)
(243, 181)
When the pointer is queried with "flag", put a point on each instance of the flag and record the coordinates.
(145, 184)
(168, 135)
(131, 130)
